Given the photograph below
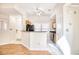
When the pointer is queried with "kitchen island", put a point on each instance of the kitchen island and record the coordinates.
(35, 40)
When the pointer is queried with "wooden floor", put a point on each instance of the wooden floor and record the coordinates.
(19, 49)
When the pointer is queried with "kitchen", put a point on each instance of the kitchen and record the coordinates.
(36, 37)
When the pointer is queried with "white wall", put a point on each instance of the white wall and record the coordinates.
(11, 35)
(71, 28)
(59, 21)
(2, 16)
(39, 19)
(5, 35)
(15, 22)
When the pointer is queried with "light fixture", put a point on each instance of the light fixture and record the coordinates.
(38, 11)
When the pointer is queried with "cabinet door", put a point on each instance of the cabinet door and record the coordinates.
(25, 38)
(38, 41)
(34, 41)
(43, 41)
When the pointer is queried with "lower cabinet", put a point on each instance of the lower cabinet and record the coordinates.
(26, 39)
(35, 40)
(38, 41)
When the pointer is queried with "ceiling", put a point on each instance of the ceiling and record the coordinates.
(30, 9)
(33, 9)
(8, 11)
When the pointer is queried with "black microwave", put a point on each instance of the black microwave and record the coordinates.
(29, 27)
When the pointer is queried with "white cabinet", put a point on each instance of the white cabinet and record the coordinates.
(38, 41)
(26, 38)
(35, 40)
(15, 22)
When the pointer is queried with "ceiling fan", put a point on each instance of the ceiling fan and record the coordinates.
(38, 11)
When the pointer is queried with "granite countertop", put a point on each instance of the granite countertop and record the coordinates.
(34, 31)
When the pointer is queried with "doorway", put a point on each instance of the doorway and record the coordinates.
(53, 29)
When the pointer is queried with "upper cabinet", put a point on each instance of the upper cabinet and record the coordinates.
(3, 23)
(15, 22)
